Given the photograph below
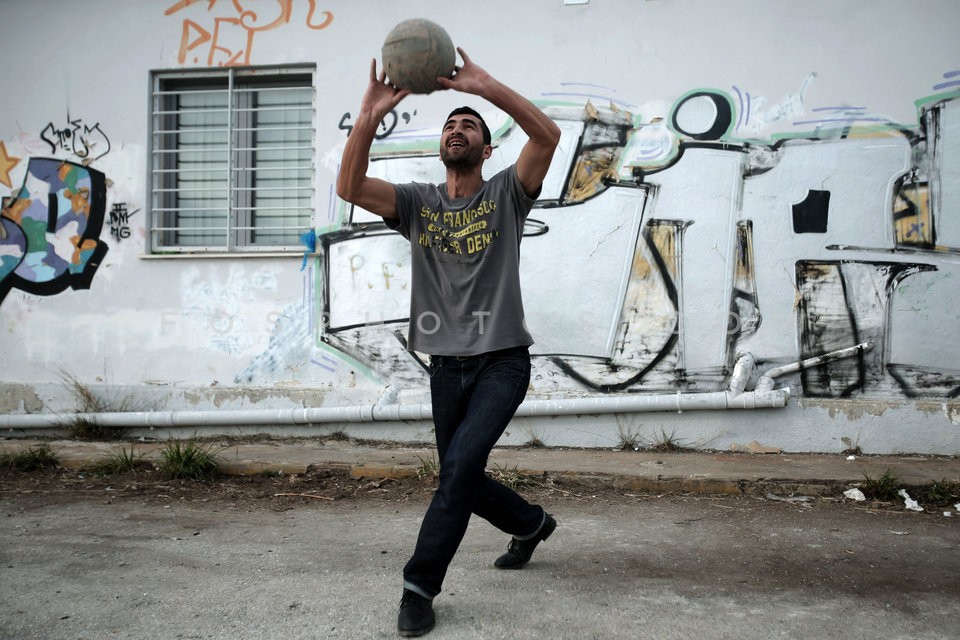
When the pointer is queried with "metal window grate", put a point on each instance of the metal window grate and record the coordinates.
(231, 165)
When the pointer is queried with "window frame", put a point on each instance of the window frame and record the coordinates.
(241, 85)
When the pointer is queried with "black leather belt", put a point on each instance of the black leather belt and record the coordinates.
(439, 359)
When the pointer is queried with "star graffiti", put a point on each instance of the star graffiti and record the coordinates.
(7, 162)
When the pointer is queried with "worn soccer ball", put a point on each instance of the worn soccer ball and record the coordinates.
(417, 52)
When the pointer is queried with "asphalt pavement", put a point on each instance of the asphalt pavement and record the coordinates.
(76, 566)
(722, 546)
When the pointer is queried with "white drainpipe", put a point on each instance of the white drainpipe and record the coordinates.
(765, 383)
(764, 396)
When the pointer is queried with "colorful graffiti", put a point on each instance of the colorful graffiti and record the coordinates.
(228, 39)
(684, 245)
(49, 231)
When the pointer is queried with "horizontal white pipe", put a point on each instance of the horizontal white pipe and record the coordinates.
(717, 400)
(764, 396)
(235, 417)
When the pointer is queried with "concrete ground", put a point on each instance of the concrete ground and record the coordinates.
(665, 567)
(690, 545)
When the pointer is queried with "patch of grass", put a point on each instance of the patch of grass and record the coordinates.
(883, 488)
(428, 469)
(510, 478)
(533, 440)
(940, 493)
(667, 443)
(88, 402)
(189, 460)
(629, 440)
(39, 458)
(119, 461)
(88, 429)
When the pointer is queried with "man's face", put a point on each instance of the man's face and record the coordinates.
(461, 142)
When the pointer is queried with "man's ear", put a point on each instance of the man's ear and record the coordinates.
(487, 151)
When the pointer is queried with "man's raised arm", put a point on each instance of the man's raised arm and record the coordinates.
(353, 183)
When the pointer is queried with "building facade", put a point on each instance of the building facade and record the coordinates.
(748, 239)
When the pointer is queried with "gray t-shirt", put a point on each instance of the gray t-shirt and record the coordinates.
(465, 263)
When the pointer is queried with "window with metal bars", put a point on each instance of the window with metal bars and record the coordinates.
(231, 160)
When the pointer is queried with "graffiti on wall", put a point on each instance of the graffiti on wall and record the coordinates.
(120, 220)
(387, 126)
(7, 164)
(50, 229)
(841, 233)
(224, 36)
(50, 225)
(78, 139)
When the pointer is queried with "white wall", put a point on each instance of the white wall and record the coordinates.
(628, 291)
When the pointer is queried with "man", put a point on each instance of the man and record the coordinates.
(465, 311)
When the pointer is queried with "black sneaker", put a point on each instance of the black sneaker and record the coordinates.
(416, 615)
(519, 551)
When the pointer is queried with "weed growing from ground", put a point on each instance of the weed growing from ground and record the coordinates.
(37, 458)
(533, 440)
(629, 441)
(88, 402)
(510, 478)
(119, 461)
(428, 469)
(188, 461)
(88, 429)
(667, 444)
(883, 488)
(940, 493)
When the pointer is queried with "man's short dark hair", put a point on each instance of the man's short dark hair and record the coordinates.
(483, 125)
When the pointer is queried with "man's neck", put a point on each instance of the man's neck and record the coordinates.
(462, 183)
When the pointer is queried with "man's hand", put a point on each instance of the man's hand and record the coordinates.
(469, 78)
(380, 98)
(543, 133)
(353, 184)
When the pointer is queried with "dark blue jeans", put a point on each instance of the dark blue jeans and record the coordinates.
(473, 400)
